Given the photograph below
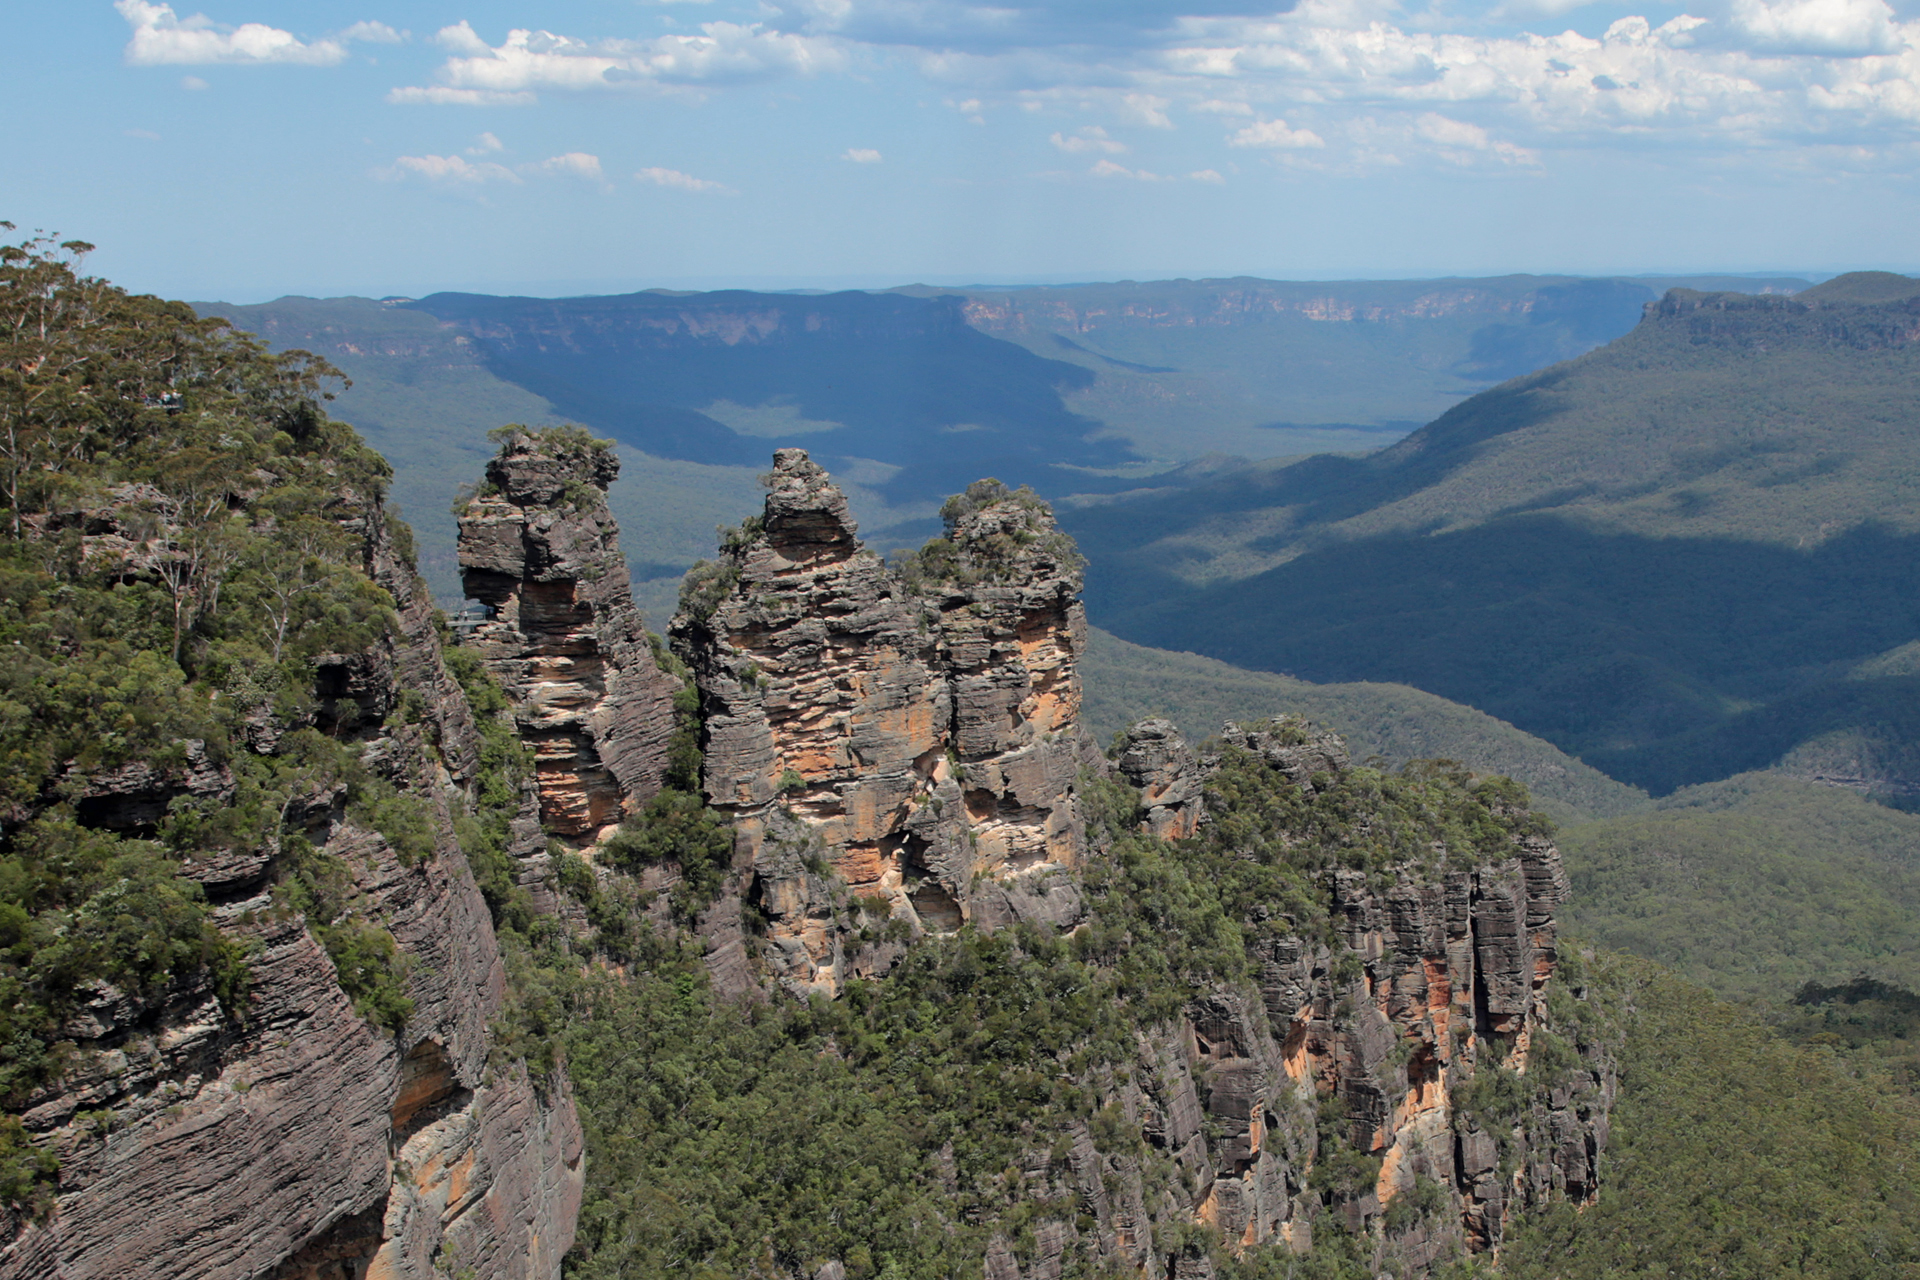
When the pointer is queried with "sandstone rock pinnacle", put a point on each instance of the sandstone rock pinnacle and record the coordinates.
(540, 549)
(915, 728)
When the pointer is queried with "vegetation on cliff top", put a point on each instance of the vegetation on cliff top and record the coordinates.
(993, 534)
(182, 540)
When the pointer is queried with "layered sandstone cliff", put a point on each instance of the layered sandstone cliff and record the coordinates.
(299, 1140)
(900, 746)
(1413, 1033)
(915, 734)
(540, 550)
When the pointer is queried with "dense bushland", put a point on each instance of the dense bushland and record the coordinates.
(888, 1128)
(1737, 1154)
(183, 543)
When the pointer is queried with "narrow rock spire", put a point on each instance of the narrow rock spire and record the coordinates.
(540, 549)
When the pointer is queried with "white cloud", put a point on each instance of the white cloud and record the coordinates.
(1145, 109)
(1846, 28)
(1108, 169)
(1209, 176)
(373, 33)
(1276, 134)
(441, 96)
(463, 39)
(574, 164)
(147, 134)
(448, 170)
(861, 155)
(529, 61)
(1457, 138)
(194, 83)
(461, 172)
(1687, 80)
(1091, 138)
(1367, 74)
(162, 38)
(683, 181)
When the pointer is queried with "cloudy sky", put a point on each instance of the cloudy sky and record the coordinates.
(255, 147)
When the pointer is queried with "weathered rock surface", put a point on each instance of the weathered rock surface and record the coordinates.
(542, 552)
(920, 736)
(198, 1144)
(1156, 759)
(1342, 1079)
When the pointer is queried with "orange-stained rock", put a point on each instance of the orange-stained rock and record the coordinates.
(542, 553)
(928, 726)
(260, 1149)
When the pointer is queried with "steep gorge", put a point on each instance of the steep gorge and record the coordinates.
(897, 751)
(311, 900)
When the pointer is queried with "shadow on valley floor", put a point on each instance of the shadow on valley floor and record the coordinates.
(856, 378)
(1663, 661)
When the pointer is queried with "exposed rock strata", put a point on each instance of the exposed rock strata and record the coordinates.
(922, 739)
(542, 552)
(1343, 1078)
(1426, 984)
(1156, 759)
(304, 1143)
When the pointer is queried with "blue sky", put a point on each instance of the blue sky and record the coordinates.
(250, 148)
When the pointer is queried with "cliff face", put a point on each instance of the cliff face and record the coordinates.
(300, 1140)
(540, 550)
(1406, 1054)
(920, 739)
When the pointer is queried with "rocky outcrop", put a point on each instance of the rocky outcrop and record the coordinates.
(1390, 1028)
(540, 550)
(1155, 758)
(915, 730)
(1392, 1069)
(295, 1139)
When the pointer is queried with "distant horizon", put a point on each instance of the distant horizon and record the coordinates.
(800, 285)
(246, 150)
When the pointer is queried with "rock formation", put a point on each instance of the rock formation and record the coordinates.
(1157, 760)
(917, 733)
(303, 1142)
(1427, 984)
(540, 550)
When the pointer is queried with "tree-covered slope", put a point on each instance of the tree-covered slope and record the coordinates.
(1679, 557)
(1128, 682)
(1754, 886)
(1736, 1154)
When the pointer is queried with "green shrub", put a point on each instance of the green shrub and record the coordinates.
(676, 827)
(29, 1174)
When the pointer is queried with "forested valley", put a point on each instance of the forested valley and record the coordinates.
(876, 917)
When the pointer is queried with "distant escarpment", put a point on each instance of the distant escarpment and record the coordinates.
(1685, 555)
